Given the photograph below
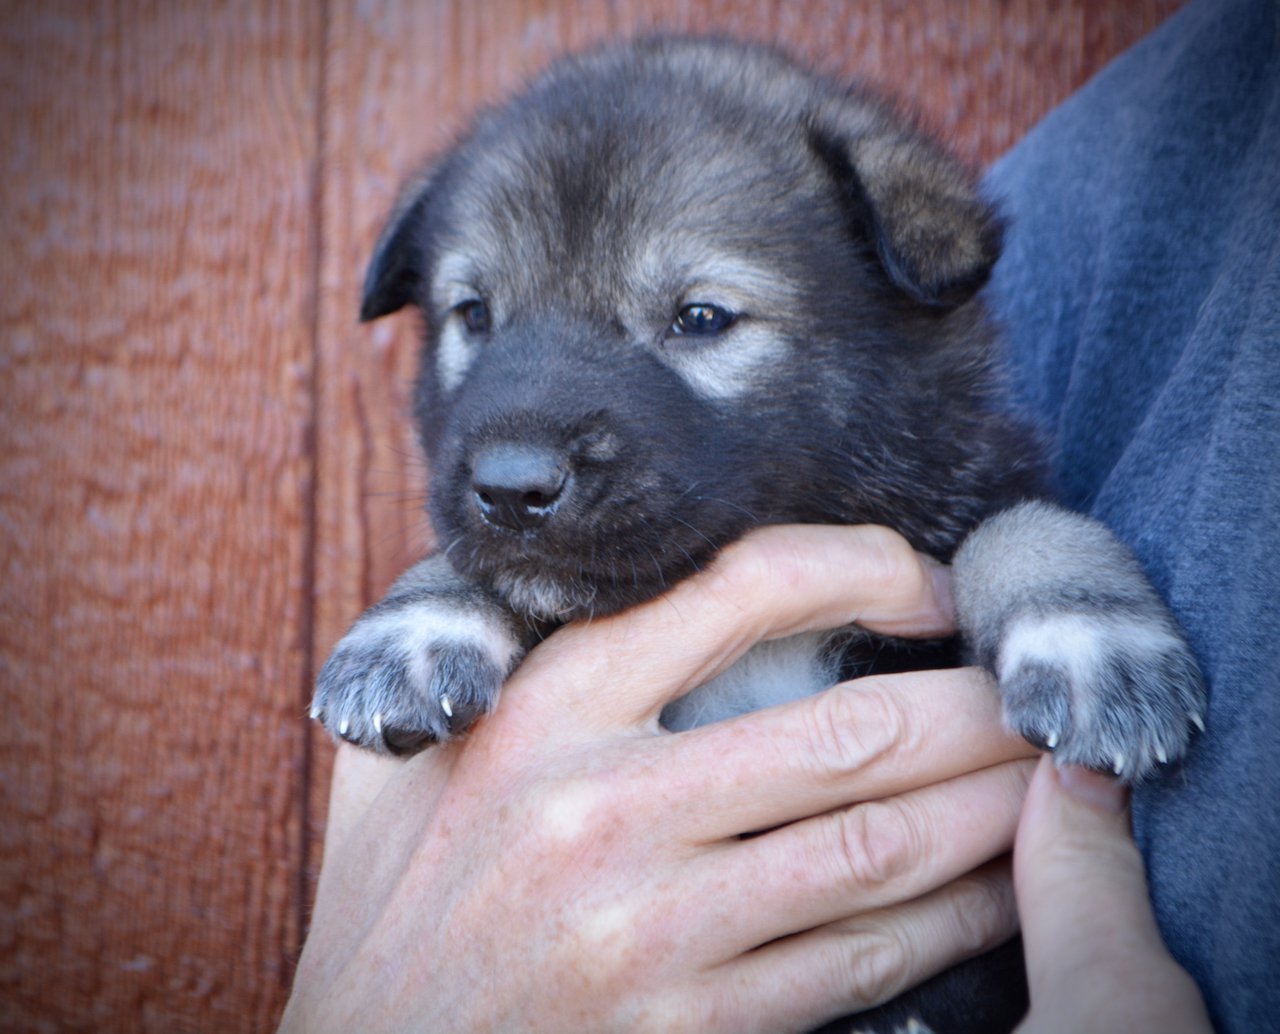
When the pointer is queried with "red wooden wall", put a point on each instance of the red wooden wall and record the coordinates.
(205, 471)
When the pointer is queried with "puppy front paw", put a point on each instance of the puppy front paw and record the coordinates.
(410, 675)
(1117, 691)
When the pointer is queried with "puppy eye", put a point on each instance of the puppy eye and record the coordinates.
(475, 315)
(702, 319)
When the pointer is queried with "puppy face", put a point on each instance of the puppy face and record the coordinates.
(674, 291)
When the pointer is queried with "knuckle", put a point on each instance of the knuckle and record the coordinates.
(570, 813)
(672, 1014)
(982, 913)
(756, 569)
(1074, 851)
(772, 562)
(877, 843)
(871, 966)
(852, 726)
(890, 564)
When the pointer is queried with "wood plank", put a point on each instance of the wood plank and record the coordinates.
(155, 488)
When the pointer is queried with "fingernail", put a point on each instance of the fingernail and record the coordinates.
(942, 590)
(1093, 788)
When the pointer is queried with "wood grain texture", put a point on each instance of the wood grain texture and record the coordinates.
(155, 479)
(206, 467)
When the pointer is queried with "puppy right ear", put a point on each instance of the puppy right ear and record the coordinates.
(398, 266)
(935, 235)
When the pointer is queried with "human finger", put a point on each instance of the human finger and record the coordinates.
(1095, 958)
(775, 582)
(860, 740)
(871, 855)
(358, 777)
(375, 799)
(861, 962)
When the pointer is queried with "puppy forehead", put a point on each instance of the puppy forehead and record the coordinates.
(637, 172)
(637, 224)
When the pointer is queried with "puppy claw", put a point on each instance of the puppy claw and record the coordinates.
(406, 677)
(315, 713)
(1101, 684)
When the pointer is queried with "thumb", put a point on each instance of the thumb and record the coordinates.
(1095, 960)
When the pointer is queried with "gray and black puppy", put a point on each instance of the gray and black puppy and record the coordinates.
(679, 289)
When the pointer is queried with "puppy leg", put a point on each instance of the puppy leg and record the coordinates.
(1089, 661)
(420, 665)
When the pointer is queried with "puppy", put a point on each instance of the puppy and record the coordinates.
(679, 289)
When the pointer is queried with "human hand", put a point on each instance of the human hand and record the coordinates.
(1095, 960)
(569, 866)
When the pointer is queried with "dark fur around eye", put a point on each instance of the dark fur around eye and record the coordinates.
(703, 320)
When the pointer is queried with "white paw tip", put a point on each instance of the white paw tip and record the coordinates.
(446, 705)
(1051, 741)
(377, 723)
(344, 727)
(1197, 721)
(1118, 764)
(314, 713)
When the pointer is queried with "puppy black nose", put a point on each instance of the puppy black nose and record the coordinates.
(518, 486)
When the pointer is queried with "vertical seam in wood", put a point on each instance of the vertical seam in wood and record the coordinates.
(311, 504)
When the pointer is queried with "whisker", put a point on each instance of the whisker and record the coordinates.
(716, 500)
(697, 532)
(662, 578)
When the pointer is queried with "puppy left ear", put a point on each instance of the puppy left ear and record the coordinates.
(935, 236)
(398, 265)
